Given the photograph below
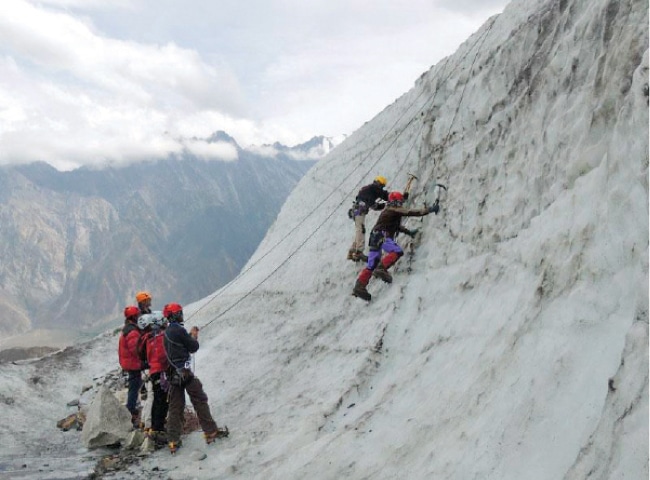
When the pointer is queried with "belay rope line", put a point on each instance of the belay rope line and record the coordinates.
(336, 188)
(441, 147)
(439, 150)
(288, 234)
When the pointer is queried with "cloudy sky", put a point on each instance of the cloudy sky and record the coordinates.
(91, 82)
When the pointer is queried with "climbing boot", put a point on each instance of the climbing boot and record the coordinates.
(218, 433)
(135, 421)
(360, 291)
(159, 438)
(381, 273)
(360, 257)
(174, 446)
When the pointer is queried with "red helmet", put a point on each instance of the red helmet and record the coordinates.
(173, 311)
(396, 197)
(131, 311)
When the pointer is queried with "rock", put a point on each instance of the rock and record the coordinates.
(134, 440)
(72, 403)
(86, 388)
(110, 463)
(121, 395)
(108, 422)
(148, 446)
(190, 421)
(73, 421)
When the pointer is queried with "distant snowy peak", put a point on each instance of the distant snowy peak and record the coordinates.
(319, 146)
(312, 150)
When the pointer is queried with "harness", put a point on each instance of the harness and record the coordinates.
(178, 376)
(359, 207)
(376, 240)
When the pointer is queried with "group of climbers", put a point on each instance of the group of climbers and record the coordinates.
(158, 343)
(383, 234)
(155, 344)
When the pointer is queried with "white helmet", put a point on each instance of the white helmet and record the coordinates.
(153, 319)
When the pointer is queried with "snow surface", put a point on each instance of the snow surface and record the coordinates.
(513, 342)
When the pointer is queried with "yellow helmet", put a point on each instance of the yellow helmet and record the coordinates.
(142, 297)
(381, 180)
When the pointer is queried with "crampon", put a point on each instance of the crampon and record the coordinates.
(174, 446)
(218, 433)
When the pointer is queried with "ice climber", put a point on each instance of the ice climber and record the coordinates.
(154, 325)
(382, 238)
(130, 360)
(144, 301)
(367, 198)
(178, 346)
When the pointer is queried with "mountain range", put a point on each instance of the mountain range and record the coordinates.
(78, 245)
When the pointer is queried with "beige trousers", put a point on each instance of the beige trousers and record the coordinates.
(359, 242)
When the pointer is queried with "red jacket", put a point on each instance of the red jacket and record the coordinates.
(128, 348)
(156, 356)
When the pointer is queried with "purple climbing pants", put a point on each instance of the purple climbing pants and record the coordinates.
(388, 246)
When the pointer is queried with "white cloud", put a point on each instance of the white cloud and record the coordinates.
(83, 82)
(469, 7)
(212, 151)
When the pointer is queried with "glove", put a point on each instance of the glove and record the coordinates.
(378, 206)
(406, 195)
(435, 208)
(412, 233)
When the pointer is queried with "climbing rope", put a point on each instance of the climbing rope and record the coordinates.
(428, 105)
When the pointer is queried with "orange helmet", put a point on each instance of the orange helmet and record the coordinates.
(142, 297)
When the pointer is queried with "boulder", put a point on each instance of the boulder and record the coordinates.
(148, 446)
(133, 440)
(107, 422)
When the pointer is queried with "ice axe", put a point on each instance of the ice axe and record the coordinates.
(438, 189)
(437, 193)
(409, 182)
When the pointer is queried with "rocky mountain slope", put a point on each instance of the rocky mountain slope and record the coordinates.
(77, 245)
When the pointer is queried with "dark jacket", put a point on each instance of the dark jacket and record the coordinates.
(179, 344)
(390, 219)
(371, 193)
